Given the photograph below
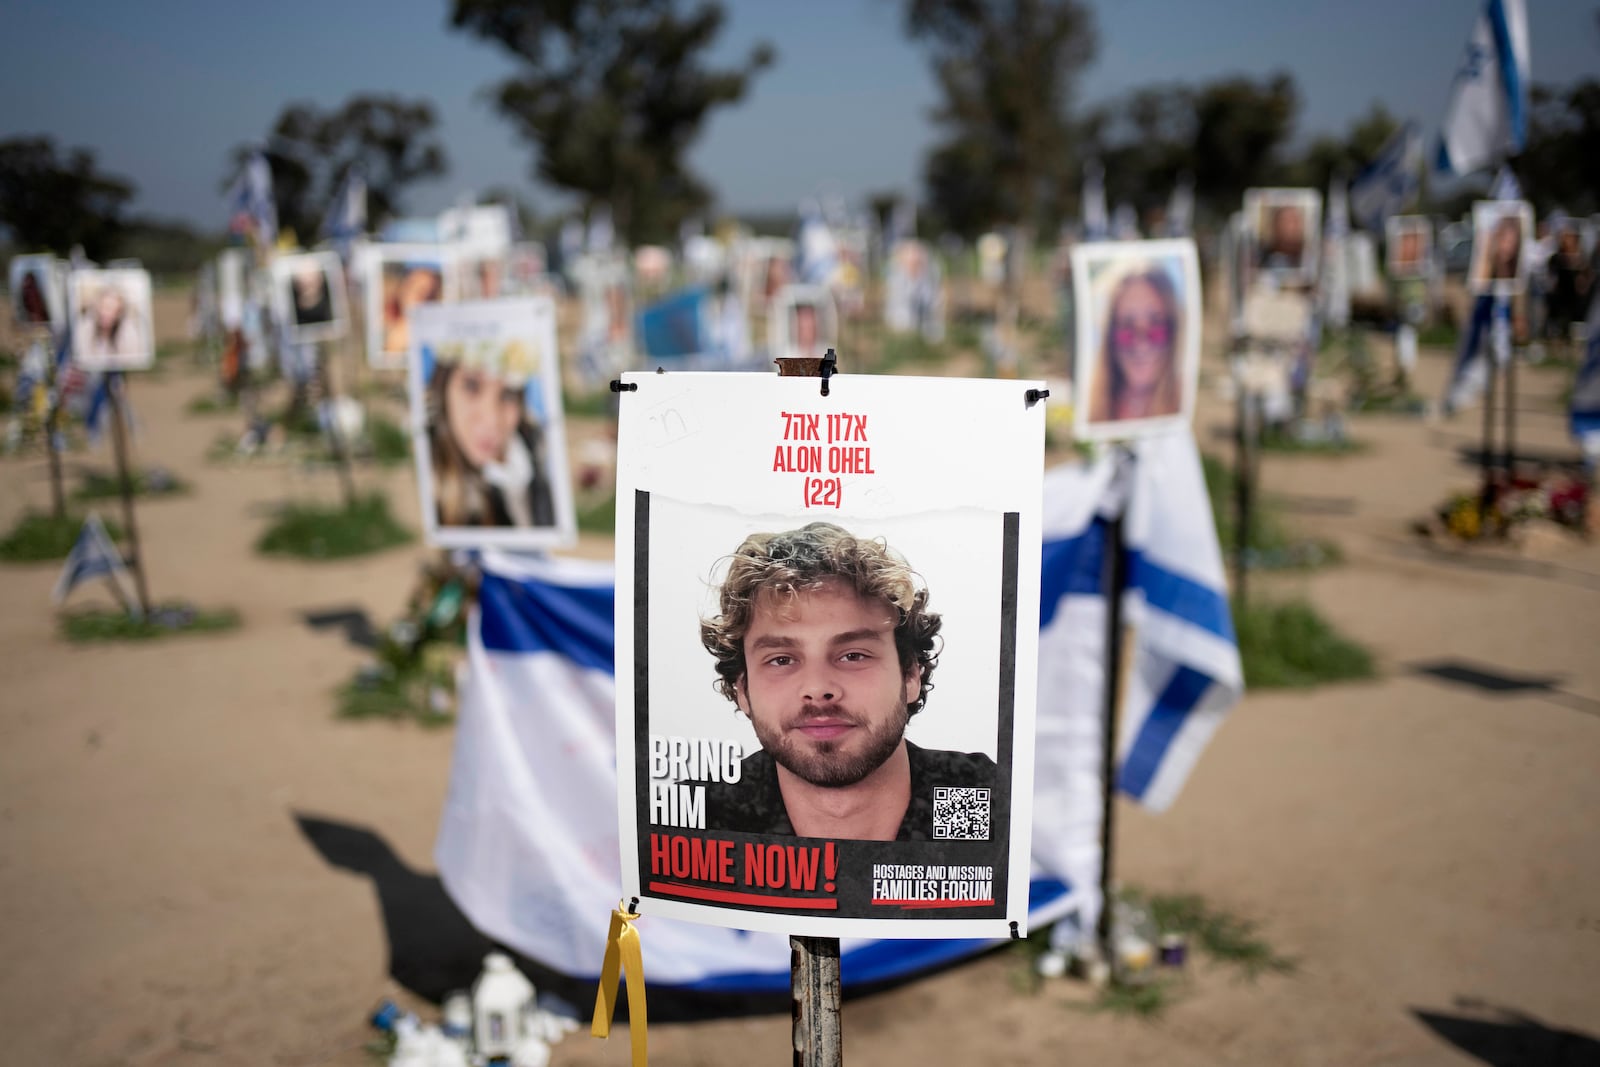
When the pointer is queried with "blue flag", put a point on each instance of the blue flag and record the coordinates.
(1585, 414)
(1390, 183)
(1487, 118)
(528, 841)
(94, 556)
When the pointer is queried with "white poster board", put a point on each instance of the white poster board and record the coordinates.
(309, 296)
(815, 792)
(112, 323)
(488, 427)
(1137, 350)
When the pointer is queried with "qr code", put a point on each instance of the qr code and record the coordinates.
(960, 813)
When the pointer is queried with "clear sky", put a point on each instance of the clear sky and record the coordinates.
(162, 89)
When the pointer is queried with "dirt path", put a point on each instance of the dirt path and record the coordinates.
(1410, 842)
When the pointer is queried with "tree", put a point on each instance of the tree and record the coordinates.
(1007, 72)
(611, 96)
(1348, 155)
(1145, 143)
(55, 202)
(1557, 166)
(1241, 127)
(310, 151)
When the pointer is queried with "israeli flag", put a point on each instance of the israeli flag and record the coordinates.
(1096, 219)
(1585, 413)
(816, 250)
(347, 214)
(251, 208)
(1487, 118)
(528, 844)
(1390, 183)
(94, 556)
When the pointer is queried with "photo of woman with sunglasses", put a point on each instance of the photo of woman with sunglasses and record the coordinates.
(1138, 343)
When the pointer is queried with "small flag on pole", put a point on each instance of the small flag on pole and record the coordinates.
(94, 556)
(251, 209)
(1390, 183)
(1487, 119)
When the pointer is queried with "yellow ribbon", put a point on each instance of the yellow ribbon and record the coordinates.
(622, 951)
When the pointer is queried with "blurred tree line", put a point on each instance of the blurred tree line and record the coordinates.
(611, 94)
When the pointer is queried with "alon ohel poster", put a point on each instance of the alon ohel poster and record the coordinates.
(827, 621)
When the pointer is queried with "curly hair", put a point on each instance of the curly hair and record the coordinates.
(799, 561)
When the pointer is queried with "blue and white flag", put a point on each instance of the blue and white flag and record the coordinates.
(1585, 413)
(1505, 186)
(601, 234)
(251, 209)
(1389, 183)
(347, 214)
(1471, 371)
(1487, 118)
(94, 556)
(676, 329)
(816, 250)
(528, 843)
(1096, 219)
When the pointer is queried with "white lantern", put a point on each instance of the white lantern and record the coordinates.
(502, 1005)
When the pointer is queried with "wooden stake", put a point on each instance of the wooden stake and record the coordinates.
(119, 443)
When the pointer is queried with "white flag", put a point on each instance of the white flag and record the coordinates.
(1487, 119)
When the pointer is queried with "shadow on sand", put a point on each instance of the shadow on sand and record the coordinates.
(1504, 1037)
(434, 950)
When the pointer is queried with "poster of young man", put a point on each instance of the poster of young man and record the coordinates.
(36, 297)
(1502, 231)
(827, 651)
(1285, 227)
(310, 296)
(1137, 349)
(1410, 246)
(802, 322)
(111, 319)
(490, 439)
(399, 279)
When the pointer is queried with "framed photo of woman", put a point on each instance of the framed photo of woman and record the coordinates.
(112, 325)
(1502, 233)
(310, 296)
(1137, 350)
(489, 432)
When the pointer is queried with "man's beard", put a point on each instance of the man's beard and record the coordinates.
(825, 763)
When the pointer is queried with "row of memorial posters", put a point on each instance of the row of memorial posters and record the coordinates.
(109, 311)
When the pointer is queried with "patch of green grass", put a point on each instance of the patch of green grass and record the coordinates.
(589, 405)
(1270, 544)
(384, 693)
(166, 620)
(1147, 1000)
(390, 443)
(599, 517)
(212, 403)
(910, 350)
(1289, 444)
(1289, 646)
(158, 481)
(1439, 335)
(38, 536)
(1220, 934)
(319, 532)
(299, 421)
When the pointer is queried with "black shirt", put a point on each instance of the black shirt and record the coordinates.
(754, 804)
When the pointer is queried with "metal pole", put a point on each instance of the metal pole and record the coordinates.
(341, 454)
(1487, 495)
(1243, 473)
(814, 961)
(1115, 570)
(119, 443)
(52, 419)
(1506, 351)
(814, 984)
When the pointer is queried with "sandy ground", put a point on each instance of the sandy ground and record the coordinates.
(200, 865)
